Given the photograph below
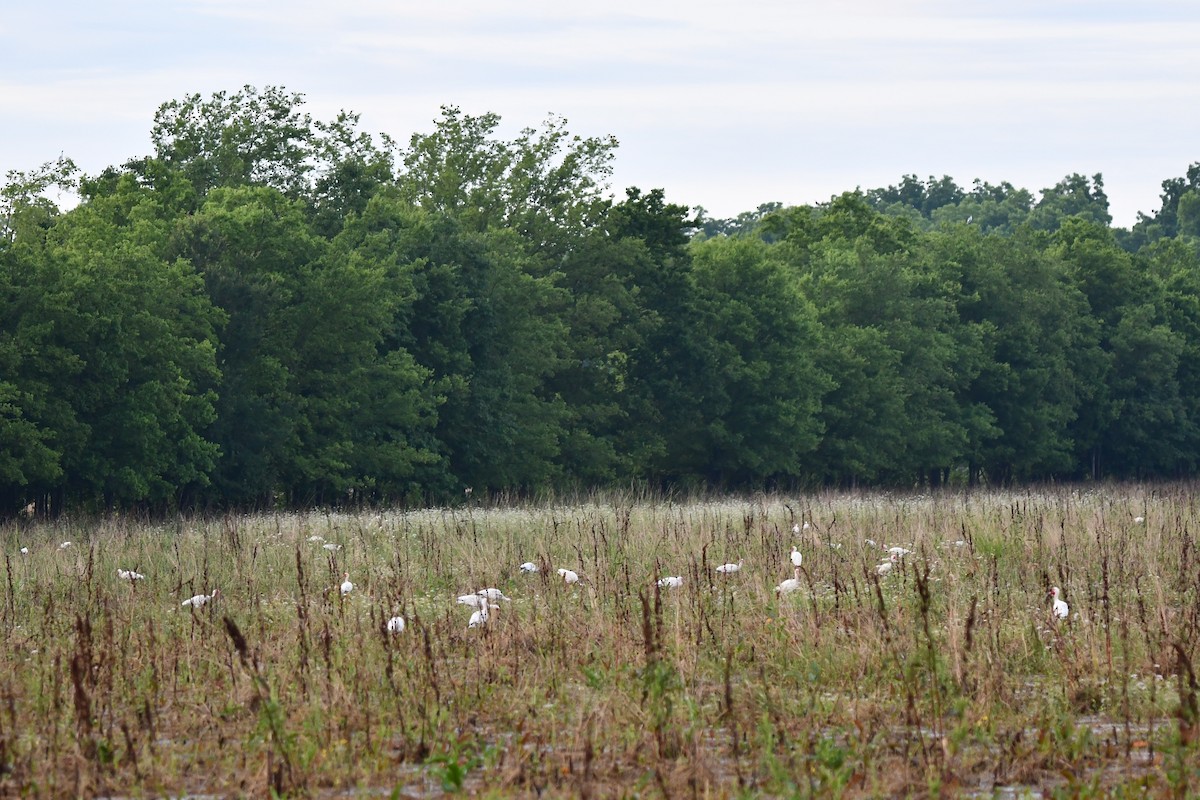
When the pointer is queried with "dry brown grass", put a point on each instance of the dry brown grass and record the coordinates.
(946, 677)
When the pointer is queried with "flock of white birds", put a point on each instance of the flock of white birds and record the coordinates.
(485, 601)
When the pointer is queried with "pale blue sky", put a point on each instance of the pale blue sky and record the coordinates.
(725, 105)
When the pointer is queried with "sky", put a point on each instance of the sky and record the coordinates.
(723, 105)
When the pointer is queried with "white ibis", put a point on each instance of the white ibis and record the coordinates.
(473, 600)
(790, 585)
(481, 615)
(529, 566)
(347, 586)
(395, 625)
(796, 528)
(24, 551)
(1139, 520)
(130, 575)
(332, 547)
(198, 600)
(899, 552)
(729, 569)
(569, 576)
(316, 538)
(886, 566)
(493, 595)
(1059, 607)
(64, 545)
(671, 581)
(797, 557)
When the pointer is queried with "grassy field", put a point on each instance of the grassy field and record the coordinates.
(948, 676)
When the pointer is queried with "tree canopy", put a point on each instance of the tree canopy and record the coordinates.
(273, 309)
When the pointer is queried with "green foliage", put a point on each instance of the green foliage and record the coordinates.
(275, 309)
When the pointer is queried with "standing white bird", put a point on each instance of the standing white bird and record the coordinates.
(347, 586)
(899, 552)
(729, 569)
(790, 585)
(529, 566)
(1059, 607)
(671, 581)
(493, 595)
(796, 528)
(316, 538)
(64, 545)
(797, 557)
(886, 566)
(569, 576)
(198, 600)
(332, 547)
(129, 575)
(395, 625)
(482, 615)
(1139, 520)
(24, 551)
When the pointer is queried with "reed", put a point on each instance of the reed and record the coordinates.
(946, 676)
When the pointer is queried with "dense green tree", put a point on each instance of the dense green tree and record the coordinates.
(1044, 357)
(669, 370)
(488, 330)
(923, 197)
(1164, 223)
(1073, 196)
(547, 185)
(763, 396)
(255, 252)
(139, 333)
(998, 208)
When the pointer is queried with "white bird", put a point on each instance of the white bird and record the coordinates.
(729, 569)
(316, 538)
(671, 581)
(886, 566)
(129, 575)
(24, 551)
(1139, 520)
(64, 545)
(493, 595)
(197, 600)
(797, 557)
(569, 576)
(790, 585)
(473, 600)
(395, 625)
(331, 547)
(872, 543)
(347, 586)
(1059, 607)
(899, 552)
(796, 528)
(529, 566)
(481, 616)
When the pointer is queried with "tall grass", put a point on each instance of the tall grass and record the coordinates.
(948, 675)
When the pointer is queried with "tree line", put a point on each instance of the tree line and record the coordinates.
(271, 309)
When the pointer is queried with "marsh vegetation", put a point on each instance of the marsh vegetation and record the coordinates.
(949, 675)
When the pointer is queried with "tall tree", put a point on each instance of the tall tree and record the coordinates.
(141, 332)
(761, 415)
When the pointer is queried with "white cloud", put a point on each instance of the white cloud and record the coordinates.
(725, 106)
